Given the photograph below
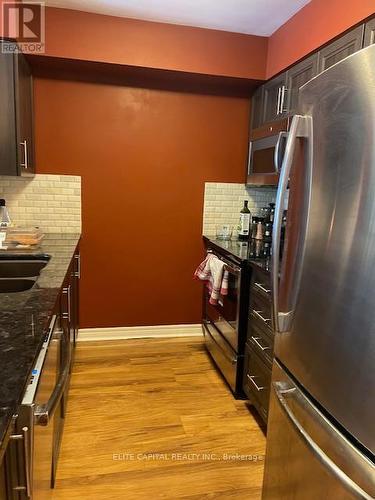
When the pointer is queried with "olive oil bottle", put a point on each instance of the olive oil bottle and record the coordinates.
(244, 227)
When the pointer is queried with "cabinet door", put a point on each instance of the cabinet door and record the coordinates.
(297, 76)
(8, 141)
(24, 108)
(341, 48)
(274, 98)
(369, 37)
(257, 108)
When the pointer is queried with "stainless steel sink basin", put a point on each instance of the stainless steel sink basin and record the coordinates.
(19, 273)
(9, 285)
(21, 268)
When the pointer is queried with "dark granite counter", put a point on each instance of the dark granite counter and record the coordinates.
(254, 252)
(24, 319)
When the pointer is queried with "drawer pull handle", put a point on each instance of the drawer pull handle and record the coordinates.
(257, 387)
(256, 339)
(258, 315)
(262, 288)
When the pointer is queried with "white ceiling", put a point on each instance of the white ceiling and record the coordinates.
(256, 17)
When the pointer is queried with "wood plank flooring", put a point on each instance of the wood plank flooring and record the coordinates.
(153, 419)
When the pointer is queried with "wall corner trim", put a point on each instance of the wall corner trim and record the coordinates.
(139, 332)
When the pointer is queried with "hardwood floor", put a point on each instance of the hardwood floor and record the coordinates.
(153, 419)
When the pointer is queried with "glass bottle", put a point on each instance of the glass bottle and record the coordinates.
(244, 228)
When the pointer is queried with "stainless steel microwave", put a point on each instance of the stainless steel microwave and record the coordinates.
(266, 151)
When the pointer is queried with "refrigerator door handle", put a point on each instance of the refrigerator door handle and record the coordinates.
(276, 154)
(301, 127)
(320, 455)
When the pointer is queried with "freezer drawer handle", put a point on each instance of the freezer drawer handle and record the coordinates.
(315, 449)
(44, 412)
(256, 340)
(262, 288)
(24, 437)
(257, 387)
(262, 318)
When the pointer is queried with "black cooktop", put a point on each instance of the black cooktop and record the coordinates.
(254, 252)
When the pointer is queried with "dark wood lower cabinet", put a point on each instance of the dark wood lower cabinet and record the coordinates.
(257, 382)
(260, 342)
(41, 458)
(69, 301)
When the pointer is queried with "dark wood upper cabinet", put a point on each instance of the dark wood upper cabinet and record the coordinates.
(16, 118)
(8, 139)
(369, 36)
(297, 76)
(278, 97)
(275, 99)
(342, 47)
(24, 118)
(257, 108)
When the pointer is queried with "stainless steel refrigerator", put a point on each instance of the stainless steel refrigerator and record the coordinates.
(321, 431)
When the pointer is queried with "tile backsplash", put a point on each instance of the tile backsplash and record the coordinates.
(223, 202)
(52, 202)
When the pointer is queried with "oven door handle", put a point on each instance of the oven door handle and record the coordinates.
(232, 268)
(44, 412)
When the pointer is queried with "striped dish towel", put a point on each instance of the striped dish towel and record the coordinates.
(212, 271)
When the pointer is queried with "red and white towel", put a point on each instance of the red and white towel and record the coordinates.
(212, 271)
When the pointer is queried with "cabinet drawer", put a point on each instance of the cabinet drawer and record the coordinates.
(261, 283)
(260, 312)
(225, 358)
(260, 342)
(257, 382)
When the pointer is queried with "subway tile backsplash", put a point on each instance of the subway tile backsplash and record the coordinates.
(52, 202)
(223, 202)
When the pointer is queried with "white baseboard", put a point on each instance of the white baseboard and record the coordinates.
(139, 332)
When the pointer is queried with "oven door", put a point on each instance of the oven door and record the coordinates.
(225, 314)
(265, 158)
(48, 411)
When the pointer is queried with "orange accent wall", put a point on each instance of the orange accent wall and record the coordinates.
(144, 156)
(81, 35)
(314, 25)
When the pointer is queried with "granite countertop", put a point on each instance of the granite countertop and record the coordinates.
(254, 252)
(24, 319)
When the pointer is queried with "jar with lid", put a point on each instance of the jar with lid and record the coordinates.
(265, 213)
(260, 229)
(254, 227)
(268, 232)
(272, 212)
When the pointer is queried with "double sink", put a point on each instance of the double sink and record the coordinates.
(19, 273)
